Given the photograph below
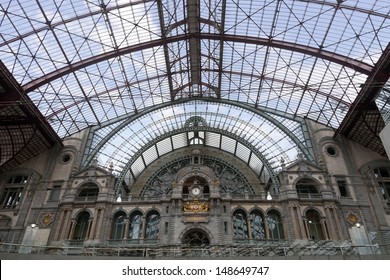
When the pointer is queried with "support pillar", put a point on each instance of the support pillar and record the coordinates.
(127, 227)
(100, 222)
(90, 221)
(295, 227)
(72, 228)
(324, 229)
(266, 227)
(59, 225)
(301, 224)
(331, 222)
(67, 224)
(249, 227)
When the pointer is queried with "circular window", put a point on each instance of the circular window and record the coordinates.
(331, 150)
(65, 158)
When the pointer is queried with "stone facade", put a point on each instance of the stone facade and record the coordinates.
(341, 197)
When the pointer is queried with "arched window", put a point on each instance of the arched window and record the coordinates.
(314, 225)
(196, 238)
(152, 225)
(240, 226)
(12, 193)
(306, 188)
(135, 231)
(118, 226)
(82, 221)
(89, 192)
(257, 225)
(196, 141)
(275, 227)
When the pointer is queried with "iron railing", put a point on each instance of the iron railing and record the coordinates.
(260, 249)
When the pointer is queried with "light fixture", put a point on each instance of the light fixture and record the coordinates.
(33, 225)
(358, 225)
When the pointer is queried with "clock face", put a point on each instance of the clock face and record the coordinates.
(195, 191)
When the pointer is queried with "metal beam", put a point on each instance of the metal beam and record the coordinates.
(164, 32)
(368, 93)
(193, 14)
(356, 65)
(339, 5)
(212, 87)
(69, 20)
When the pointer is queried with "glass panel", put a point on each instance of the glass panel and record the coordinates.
(11, 197)
(275, 226)
(135, 231)
(152, 226)
(80, 232)
(257, 225)
(118, 226)
(55, 193)
(240, 226)
(314, 225)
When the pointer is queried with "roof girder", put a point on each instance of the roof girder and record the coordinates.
(358, 66)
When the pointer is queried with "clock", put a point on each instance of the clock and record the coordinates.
(195, 191)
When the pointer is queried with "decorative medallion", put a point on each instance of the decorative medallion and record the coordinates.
(352, 218)
(46, 219)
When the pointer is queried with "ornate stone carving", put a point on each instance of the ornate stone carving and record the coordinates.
(196, 206)
(46, 219)
(352, 218)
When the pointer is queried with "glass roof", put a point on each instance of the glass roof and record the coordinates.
(105, 63)
(258, 137)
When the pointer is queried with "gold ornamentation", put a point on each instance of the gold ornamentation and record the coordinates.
(352, 218)
(196, 206)
(47, 219)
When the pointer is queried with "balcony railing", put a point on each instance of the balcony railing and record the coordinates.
(260, 249)
(86, 199)
(309, 196)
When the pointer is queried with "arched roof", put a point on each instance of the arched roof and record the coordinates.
(110, 64)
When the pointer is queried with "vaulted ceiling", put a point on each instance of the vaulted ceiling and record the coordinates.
(136, 71)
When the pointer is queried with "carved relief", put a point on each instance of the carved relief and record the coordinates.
(46, 219)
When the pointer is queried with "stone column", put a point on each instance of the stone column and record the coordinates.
(323, 226)
(307, 228)
(66, 222)
(60, 223)
(338, 222)
(143, 229)
(90, 221)
(301, 224)
(72, 228)
(109, 229)
(127, 226)
(284, 228)
(249, 227)
(328, 214)
(100, 222)
(92, 225)
(266, 228)
(295, 228)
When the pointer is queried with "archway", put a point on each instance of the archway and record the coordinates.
(196, 238)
